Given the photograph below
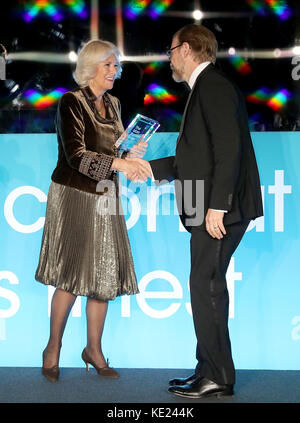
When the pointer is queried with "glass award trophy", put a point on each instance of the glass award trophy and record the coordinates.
(141, 128)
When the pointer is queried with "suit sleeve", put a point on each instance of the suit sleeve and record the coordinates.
(70, 126)
(163, 169)
(220, 105)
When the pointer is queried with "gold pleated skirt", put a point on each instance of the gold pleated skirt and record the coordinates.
(85, 248)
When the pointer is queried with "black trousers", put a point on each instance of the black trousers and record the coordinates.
(210, 258)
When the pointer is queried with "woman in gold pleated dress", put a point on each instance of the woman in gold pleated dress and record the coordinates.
(85, 248)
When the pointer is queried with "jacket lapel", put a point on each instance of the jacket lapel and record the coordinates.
(184, 113)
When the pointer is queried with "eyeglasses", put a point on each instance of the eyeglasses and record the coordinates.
(169, 52)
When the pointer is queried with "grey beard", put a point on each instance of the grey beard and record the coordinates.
(176, 76)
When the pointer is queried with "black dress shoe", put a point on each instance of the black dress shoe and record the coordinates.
(202, 387)
(183, 380)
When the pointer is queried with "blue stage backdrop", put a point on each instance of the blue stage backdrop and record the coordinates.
(155, 328)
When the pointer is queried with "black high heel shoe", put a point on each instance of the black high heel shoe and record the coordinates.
(105, 371)
(50, 373)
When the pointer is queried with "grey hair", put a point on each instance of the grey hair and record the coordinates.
(89, 57)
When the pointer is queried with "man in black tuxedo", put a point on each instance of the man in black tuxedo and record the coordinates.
(214, 146)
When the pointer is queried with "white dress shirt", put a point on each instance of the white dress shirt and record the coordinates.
(196, 72)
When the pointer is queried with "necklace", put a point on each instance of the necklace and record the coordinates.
(101, 108)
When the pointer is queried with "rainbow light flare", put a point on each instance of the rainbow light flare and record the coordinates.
(265, 96)
(158, 94)
(78, 7)
(43, 101)
(258, 6)
(135, 8)
(241, 65)
(171, 114)
(158, 7)
(277, 101)
(260, 96)
(148, 99)
(152, 68)
(33, 8)
(279, 7)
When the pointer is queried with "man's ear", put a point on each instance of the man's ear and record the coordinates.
(186, 49)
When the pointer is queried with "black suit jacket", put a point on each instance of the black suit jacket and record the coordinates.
(214, 146)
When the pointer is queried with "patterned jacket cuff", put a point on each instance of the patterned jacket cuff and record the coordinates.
(96, 165)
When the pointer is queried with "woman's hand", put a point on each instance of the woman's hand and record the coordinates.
(139, 170)
(138, 150)
(135, 169)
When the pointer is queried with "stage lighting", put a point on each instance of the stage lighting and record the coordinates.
(277, 52)
(231, 51)
(73, 56)
(11, 85)
(296, 50)
(15, 88)
(198, 15)
(9, 90)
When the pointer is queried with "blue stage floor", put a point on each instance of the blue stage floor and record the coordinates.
(26, 385)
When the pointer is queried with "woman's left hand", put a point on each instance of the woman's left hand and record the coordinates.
(138, 150)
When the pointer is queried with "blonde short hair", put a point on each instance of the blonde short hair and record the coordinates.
(89, 57)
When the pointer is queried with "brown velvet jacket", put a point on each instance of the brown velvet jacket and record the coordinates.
(85, 139)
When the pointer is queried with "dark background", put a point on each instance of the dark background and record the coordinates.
(236, 24)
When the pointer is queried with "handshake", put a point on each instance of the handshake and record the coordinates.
(137, 169)
(133, 166)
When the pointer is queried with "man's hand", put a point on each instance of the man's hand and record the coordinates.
(138, 170)
(214, 223)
